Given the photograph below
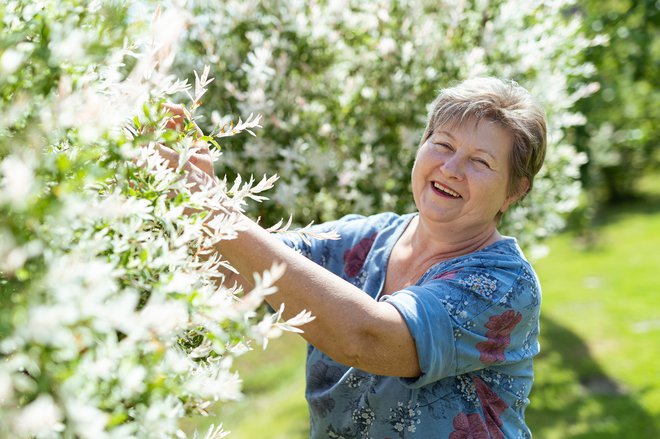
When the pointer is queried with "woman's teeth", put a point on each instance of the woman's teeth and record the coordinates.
(445, 190)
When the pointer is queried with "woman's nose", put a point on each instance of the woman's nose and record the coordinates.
(453, 167)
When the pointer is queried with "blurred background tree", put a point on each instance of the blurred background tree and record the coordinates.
(344, 88)
(620, 136)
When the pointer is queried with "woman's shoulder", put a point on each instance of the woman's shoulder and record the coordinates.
(499, 268)
(351, 232)
(504, 254)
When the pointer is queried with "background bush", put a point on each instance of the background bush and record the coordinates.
(344, 88)
(620, 136)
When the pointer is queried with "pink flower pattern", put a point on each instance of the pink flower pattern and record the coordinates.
(492, 351)
(503, 325)
(469, 426)
(493, 406)
(499, 336)
(354, 258)
(472, 425)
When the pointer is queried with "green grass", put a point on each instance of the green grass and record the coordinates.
(598, 375)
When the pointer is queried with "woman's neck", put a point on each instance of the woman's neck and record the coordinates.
(433, 243)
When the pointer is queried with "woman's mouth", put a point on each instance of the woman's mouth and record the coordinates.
(443, 190)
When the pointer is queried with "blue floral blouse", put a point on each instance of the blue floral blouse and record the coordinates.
(475, 323)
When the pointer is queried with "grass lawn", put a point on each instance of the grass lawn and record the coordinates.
(598, 375)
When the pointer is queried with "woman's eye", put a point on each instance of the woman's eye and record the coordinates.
(482, 162)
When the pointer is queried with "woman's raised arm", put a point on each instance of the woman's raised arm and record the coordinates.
(349, 326)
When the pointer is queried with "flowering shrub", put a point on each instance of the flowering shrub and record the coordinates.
(621, 135)
(112, 322)
(344, 87)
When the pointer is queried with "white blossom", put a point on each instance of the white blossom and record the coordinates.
(163, 318)
(89, 421)
(6, 387)
(69, 44)
(386, 46)
(215, 384)
(16, 179)
(40, 417)
(11, 60)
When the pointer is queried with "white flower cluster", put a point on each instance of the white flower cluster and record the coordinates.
(344, 87)
(112, 323)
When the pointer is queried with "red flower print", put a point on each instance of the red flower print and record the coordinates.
(355, 257)
(493, 406)
(492, 351)
(499, 336)
(469, 427)
(446, 275)
(502, 325)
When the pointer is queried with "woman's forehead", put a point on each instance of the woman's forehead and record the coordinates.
(471, 126)
(483, 134)
(460, 123)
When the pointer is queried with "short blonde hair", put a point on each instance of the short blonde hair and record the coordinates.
(507, 104)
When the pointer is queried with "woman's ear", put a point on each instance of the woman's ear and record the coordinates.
(523, 187)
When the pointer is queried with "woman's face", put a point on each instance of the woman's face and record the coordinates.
(461, 174)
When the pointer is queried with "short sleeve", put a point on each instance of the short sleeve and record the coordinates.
(345, 256)
(469, 318)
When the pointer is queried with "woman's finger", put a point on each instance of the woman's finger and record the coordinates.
(203, 162)
(168, 154)
(179, 116)
(196, 175)
(201, 147)
(202, 158)
(176, 121)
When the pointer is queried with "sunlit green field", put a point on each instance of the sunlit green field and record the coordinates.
(598, 375)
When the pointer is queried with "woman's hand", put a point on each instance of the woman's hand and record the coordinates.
(199, 167)
(179, 116)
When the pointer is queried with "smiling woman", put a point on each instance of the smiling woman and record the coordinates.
(507, 105)
(460, 178)
(426, 322)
